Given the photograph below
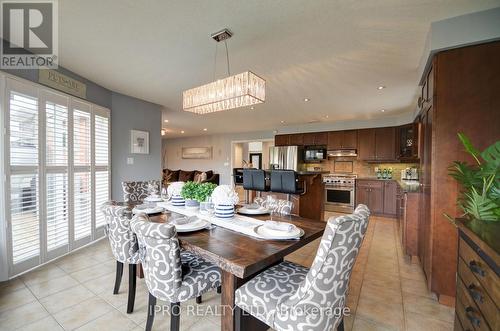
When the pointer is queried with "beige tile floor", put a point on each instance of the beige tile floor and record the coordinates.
(75, 293)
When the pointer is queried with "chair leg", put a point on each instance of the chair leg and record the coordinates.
(219, 289)
(340, 327)
(237, 318)
(175, 316)
(132, 272)
(198, 299)
(151, 312)
(119, 273)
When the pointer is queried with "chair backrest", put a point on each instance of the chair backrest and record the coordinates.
(122, 239)
(254, 179)
(160, 256)
(324, 290)
(284, 181)
(137, 191)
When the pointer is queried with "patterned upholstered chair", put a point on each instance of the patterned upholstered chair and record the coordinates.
(123, 245)
(171, 274)
(136, 192)
(288, 296)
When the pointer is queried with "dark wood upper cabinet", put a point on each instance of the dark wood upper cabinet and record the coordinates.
(347, 139)
(408, 143)
(385, 144)
(321, 138)
(315, 138)
(296, 139)
(334, 140)
(282, 140)
(366, 144)
(350, 139)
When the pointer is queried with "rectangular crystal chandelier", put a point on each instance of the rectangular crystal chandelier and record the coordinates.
(241, 90)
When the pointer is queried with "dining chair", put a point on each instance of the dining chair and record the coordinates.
(171, 274)
(289, 296)
(137, 191)
(124, 247)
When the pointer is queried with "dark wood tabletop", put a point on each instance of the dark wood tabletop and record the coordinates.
(240, 257)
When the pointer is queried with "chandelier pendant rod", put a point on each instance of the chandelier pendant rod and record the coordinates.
(227, 59)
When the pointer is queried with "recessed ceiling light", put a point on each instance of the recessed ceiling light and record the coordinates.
(252, 108)
(382, 110)
(205, 129)
(381, 87)
(166, 121)
(282, 122)
(182, 131)
(306, 99)
(163, 132)
(326, 116)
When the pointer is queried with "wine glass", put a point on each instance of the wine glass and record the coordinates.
(271, 204)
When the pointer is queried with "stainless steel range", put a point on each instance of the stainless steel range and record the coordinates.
(340, 192)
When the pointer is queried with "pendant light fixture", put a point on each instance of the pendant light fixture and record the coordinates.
(241, 90)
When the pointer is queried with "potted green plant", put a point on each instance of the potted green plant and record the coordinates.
(480, 195)
(194, 193)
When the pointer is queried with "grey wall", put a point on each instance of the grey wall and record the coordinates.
(129, 113)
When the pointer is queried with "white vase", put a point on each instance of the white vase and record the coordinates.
(224, 211)
(178, 201)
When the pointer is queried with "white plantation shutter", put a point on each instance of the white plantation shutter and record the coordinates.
(22, 169)
(101, 141)
(57, 210)
(58, 171)
(82, 205)
(101, 195)
(23, 130)
(101, 148)
(25, 220)
(56, 117)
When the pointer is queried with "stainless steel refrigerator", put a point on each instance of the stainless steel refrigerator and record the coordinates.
(285, 157)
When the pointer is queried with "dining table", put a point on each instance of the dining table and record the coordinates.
(241, 257)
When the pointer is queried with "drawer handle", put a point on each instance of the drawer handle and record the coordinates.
(469, 311)
(474, 266)
(475, 293)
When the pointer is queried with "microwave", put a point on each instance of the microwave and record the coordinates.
(315, 154)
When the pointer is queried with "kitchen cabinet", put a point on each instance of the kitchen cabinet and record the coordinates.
(451, 105)
(390, 197)
(296, 139)
(408, 217)
(385, 144)
(377, 144)
(407, 143)
(371, 193)
(282, 140)
(366, 144)
(347, 139)
(315, 139)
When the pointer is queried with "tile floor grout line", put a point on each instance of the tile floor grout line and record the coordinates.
(45, 308)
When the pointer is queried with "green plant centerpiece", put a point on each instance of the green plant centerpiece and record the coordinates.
(194, 193)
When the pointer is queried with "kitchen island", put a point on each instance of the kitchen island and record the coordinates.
(309, 204)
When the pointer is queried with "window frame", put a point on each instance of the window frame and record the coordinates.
(44, 94)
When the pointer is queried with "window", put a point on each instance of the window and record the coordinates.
(58, 173)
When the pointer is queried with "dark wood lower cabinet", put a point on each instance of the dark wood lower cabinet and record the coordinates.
(379, 195)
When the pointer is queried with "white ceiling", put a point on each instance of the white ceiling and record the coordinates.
(334, 52)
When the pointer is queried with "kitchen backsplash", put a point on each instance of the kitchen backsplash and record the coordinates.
(360, 168)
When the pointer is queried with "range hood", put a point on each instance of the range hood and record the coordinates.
(342, 152)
